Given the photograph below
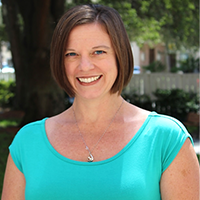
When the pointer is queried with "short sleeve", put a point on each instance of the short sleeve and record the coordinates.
(176, 135)
(15, 150)
(25, 142)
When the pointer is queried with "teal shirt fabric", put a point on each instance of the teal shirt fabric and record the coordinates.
(133, 173)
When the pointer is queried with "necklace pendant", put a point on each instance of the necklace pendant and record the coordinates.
(90, 157)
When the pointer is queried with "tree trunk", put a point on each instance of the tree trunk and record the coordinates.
(10, 14)
(30, 25)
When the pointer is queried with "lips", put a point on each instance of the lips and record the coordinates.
(89, 80)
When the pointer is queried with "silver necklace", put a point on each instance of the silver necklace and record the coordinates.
(90, 157)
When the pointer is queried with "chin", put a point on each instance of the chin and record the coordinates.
(92, 95)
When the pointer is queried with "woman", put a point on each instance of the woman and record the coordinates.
(101, 147)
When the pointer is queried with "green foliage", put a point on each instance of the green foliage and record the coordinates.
(155, 66)
(7, 93)
(190, 65)
(198, 157)
(174, 69)
(140, 29)
(142, 101)
(179, 20)
(69, 4)
(176, 102)
(3, 34)
(192, 129)
(171, 21)
(12, 122)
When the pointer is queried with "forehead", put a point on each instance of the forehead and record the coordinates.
(93, 33)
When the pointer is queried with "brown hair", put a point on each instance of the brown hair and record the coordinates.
(85, 14)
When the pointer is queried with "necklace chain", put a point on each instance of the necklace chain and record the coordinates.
(90, 156)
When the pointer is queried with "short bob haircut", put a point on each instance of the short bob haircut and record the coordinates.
(86, 14)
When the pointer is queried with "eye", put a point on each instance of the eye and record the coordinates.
(71, 54)
(99, 52)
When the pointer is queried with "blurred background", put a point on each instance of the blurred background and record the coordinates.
(164, 35)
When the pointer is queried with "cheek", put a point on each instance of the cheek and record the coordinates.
(113, 67)
(68, 69)
(69, 74)
(71, 66)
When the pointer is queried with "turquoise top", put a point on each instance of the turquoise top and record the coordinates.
(133, 173)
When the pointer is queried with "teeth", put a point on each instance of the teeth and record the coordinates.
(88, 80)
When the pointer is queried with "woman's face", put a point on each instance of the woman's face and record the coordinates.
(90, 61)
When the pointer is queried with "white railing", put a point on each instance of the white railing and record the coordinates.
(7, 76)
(148, 83)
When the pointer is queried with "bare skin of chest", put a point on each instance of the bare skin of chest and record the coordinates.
(66, 139)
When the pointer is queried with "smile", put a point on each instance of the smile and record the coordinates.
(89, 80)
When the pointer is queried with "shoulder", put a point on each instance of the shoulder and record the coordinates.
(33, 126)
(53, 124)
(169, 135)
(153, 121)
(168, 130)
(30, 132)
(164, 131)
(166, 123)
(154, 124)
(164, 118)
(26, 140)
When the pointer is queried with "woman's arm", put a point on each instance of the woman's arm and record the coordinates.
(180, 181)
(14, 182)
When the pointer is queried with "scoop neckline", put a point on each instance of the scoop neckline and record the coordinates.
(121, 152)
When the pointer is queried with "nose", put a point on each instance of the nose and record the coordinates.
(85, 63)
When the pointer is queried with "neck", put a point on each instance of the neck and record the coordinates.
(93, 111)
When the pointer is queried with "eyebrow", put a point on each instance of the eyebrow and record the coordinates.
(96, 47)
(101, 46)
(69, 50)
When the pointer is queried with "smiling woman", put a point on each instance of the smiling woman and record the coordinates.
(102, 147)
(92, 61)
(112, 24)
